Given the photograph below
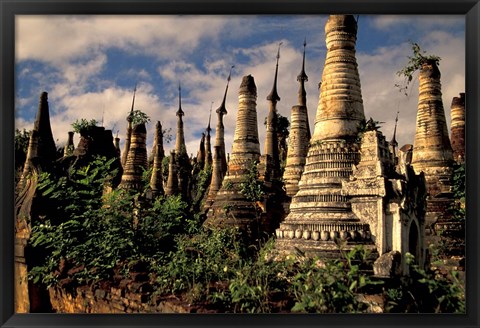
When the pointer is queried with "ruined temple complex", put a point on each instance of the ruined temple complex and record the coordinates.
(342, 186)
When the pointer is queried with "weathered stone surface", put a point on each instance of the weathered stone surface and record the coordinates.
(172, 180)
(156, 181)
(230, 207)
(208, 145)
(299, 137)
(388, 265)
(432, 152)
(136, 160)
(319, 205)
(457, 127)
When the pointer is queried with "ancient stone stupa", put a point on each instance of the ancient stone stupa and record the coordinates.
(432, 152)
(172, 180)
(156, 180)
(41, 146)
(201, 153)
(299, 136)
(208, 144)
(319, 214)
(136, 162)
(271, 159)
(457, 127)
(181, 156)
(219, 165)
(126, 146)
(231, 207)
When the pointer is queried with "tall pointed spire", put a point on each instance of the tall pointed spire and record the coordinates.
(41, 146)
(172, 187)
(302, 78)
(319, 213)
(271, 153)
(393, 142)
(126, 147)
(220, 130)
(180, 147)
(208, 143)
(201, 153)
(299, 136)
(273, 96)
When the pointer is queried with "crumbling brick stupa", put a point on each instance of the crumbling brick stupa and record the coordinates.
(432, 152)
(457, 127)
(231, 207)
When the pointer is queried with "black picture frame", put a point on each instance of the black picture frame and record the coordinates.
(10, 8)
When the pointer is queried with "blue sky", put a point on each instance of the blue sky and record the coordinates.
(89, 66)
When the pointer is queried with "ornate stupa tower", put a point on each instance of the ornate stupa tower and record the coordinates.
(457, 127)
(180, 147)
(220, 130)
(319, 213)
(208, 144)
(126, 147)
(230, 207)
(136, 159)
(156, 181)
(271, 155)
(299, 136)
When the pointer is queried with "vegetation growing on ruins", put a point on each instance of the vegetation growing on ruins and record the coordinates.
(83, 125)
(415, 62)
(88, 237)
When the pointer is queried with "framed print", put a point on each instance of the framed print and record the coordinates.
(230, 163)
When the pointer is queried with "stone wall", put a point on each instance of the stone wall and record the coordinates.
(128, 296)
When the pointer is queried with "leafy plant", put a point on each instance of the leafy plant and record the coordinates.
(137, 117)
(414, 64)
(83, 126)
(251, 187)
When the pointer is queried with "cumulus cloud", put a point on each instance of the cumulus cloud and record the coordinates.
(80, 61)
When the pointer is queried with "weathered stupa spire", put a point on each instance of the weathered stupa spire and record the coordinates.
(136, 159)
(156, 181)
(126, 147)
(41, 146)
(172, 180)
(272, 159)
(431, 148)
(180, 147)
(201, 152)
(432, 152)
(231, 207)
(220, 130)
(457, 127)
(208, 143)
(393, 143)
(319, 213)
(299, 136)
